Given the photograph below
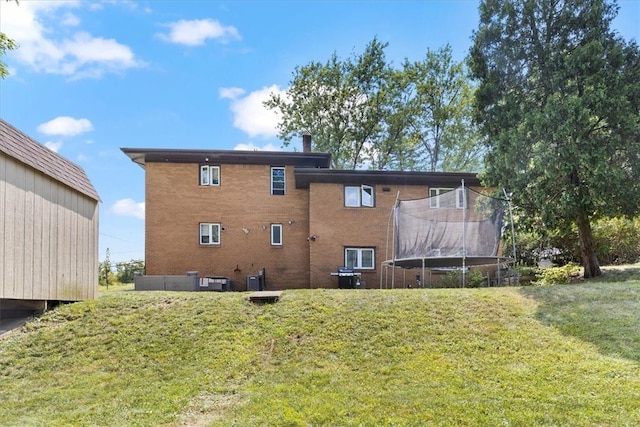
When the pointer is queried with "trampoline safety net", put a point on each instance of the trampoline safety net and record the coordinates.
(455, 223)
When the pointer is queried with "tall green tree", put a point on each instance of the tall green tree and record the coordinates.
(439, 112)
(368, 114)
(341, 103)
(558, 101)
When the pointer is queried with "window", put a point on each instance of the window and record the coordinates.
(357, 196)
(209, 234)
(446, 202)
(277, 181)
(360, 258)
(209, 175)
(276, 234)
(461, 199)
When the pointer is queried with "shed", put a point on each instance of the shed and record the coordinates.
(48, 223)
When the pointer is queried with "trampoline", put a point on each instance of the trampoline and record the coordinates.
(452, 230)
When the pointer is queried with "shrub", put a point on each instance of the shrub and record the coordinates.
(475, 278)
(616, 240)
(558, 275)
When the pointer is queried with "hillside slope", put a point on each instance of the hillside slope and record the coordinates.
(500, 356)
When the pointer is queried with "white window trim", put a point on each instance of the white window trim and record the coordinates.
(460, 199)
(210, 226)
(434, 201)
(206, 172)
(275, 227)
(284, 182)
(361, 203)
(358, 265)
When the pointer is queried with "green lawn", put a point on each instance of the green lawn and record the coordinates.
(558, 355)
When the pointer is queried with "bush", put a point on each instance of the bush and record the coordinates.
(476, 278)
(558, 275)
(616, 240)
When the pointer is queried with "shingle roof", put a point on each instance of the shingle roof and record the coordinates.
(27, 150)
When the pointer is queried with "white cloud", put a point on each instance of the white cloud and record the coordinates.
(80, 54)
(70, 20)
(230, 92)
(251, 147)
(128, 207)
(196, 32)
(65, 126)
(53, 146)
(249, 113)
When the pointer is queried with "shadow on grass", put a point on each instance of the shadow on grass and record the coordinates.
(601, 311)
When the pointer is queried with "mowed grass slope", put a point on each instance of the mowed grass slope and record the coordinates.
(558, 355)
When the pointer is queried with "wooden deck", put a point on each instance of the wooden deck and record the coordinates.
(265, 296)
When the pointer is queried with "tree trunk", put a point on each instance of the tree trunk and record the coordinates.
(587, 250)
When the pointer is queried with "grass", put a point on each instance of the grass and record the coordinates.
(555, 355)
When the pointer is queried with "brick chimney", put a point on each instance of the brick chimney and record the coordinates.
(306, 142)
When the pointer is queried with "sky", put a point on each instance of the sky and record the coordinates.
(90, 77)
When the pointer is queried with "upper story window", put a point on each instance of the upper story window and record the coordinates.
(357, 196)
(360, 258)
(209, 234)
(209, 175)
(440, 202)
(276, 234)
(277, 180)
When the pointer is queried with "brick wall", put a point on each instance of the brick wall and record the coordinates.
(338, 227)
(176, 204)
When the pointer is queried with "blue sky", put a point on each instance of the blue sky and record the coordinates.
(90, 77)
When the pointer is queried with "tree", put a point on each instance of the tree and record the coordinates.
(558, 101)
(365, 113)
(6, 44)
(340, 103)
(105, 270)
(126, 270)
(439, 112)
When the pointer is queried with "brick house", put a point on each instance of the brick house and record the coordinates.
(234, 213)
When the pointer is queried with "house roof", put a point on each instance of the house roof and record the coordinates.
(30, 152)
(142, 156)
(305, 176)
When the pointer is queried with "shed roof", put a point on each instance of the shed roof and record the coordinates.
(27, 150)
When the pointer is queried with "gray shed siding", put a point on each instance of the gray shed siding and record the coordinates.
(49, 243)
